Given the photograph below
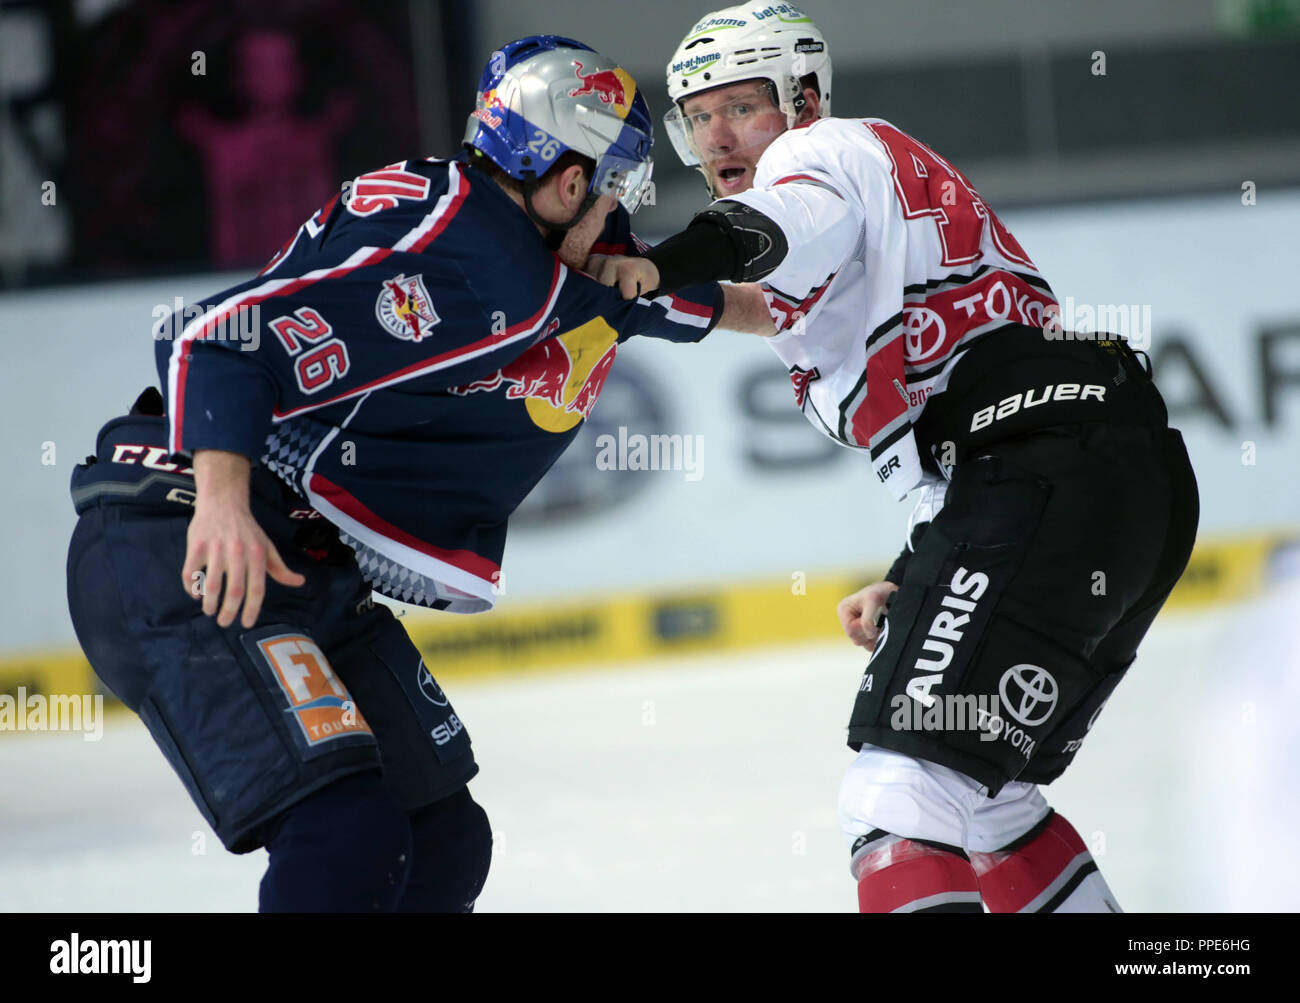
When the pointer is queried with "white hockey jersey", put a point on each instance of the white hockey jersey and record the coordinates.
(895, 266)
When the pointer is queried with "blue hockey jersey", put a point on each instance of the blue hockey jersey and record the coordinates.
(411, 363)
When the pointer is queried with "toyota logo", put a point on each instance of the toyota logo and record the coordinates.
(1029, 694)
(429, 686)
(922, 327)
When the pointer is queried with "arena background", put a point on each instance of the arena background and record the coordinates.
(659, 700)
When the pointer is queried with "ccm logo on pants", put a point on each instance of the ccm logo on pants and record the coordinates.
(1010, 405)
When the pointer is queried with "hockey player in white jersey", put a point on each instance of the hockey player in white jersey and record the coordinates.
(1055, 508)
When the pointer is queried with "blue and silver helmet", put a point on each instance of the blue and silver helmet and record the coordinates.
(544, 95)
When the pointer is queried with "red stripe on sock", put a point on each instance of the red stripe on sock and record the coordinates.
(1010, 881)
(905, 872)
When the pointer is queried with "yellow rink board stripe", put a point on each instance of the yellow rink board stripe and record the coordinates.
(606, 631)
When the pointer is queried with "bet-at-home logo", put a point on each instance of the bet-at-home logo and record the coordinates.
(718, 22)
(696, 63)
(782, 12)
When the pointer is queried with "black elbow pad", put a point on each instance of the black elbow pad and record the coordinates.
(760, 245)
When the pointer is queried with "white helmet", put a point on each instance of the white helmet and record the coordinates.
(775, 42)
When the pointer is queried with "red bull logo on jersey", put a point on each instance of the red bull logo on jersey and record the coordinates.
(558, 379)
(404, 308)
(614, 87)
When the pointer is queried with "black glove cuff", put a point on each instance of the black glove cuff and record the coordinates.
(700, 253)
(759, 244)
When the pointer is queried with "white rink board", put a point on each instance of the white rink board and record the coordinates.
(709, 806)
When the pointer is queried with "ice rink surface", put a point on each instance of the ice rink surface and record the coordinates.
(709, 782)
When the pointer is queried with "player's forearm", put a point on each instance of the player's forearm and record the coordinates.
(745, 309)
(221, 478)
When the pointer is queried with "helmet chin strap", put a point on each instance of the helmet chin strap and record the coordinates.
(555, 231)
(708, 182)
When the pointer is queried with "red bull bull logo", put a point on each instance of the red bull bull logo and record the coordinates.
(558, 379)
(404, 308)
(489, 108)
(614, 87)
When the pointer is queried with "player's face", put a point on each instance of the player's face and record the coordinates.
(729, 129)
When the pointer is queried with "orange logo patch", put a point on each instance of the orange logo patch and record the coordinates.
(319, 701)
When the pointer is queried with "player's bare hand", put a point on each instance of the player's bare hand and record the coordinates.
(227, 548)
(858, 613)
(632, 276)
(227, 556)
(594, 263)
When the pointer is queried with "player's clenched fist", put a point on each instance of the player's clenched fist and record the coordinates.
(858, 613)
(225, 543)
(633, 276)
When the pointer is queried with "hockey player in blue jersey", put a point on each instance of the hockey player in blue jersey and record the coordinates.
(427, 346)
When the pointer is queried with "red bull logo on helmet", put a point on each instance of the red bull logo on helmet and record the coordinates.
(558, 379)
(489, 109)
(404, 308)
(614, 87)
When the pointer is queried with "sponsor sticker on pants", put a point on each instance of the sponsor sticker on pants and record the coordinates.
(317, 699)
